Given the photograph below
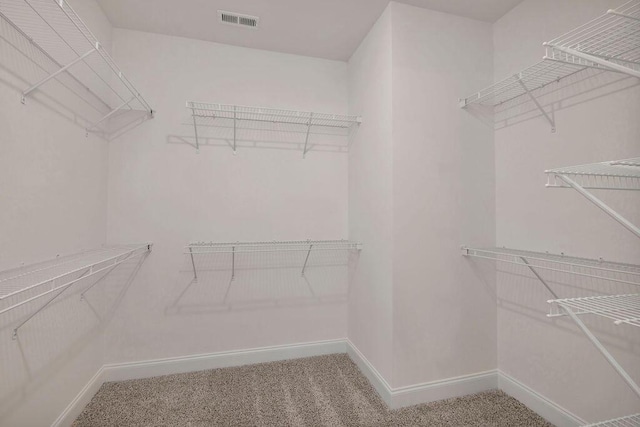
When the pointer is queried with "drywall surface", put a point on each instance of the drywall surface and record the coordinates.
(370, 197)
(53, 194)
(596, 119)
(444, 312)
(162, 190)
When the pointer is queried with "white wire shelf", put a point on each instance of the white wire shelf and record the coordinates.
(528, 80)
(204, 114)
(586, 267)
(619, 308)
(612, 175)
(23, 285)
(609, 43)
(611, 40)
(238, 248)
(628, 421)
(64, 48)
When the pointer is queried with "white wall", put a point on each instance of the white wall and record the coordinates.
(596, 121)
(443, 196)
(370, 197)
(161, 190)
(53, 200)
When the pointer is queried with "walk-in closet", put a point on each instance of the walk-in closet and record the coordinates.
(320, 213)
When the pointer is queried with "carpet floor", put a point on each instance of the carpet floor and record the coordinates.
(316, 391)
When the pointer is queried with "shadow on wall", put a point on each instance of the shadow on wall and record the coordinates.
(79, 98)
(255, 281)
(57, 335)
(220, 132)
(576, 89)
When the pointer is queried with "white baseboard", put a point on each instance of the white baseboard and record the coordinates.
(539, 404)
(76, 406)
(227, 359)
(424, 392)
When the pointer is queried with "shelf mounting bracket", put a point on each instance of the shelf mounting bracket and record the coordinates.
(535, 101)
(306, 139)
(599, 203)
(43, 306)
(306, 259)
(612, 361)
(61, 70)
(235, 120)
(193, 264)
(233, 263)
(195, 130)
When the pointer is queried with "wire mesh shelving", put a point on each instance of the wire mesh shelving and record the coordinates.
(204, 114)
(586, 267)
(610, 42)
(238, 248)
(612, 175)
(24, 285)
(65, 49)
(619, 308)
(628, 421)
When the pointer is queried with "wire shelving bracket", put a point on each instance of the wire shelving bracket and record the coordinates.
(204, 114)
(56, 31)
(612, 175)
(27, 284)
(538, 260)
(238, 248)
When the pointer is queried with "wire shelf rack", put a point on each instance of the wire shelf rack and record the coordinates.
(611, 175)
(611, 40)
(24, 285)
(526, 81)
(586, 267)
(63, 46)
(619, 308)
(204, 114)
(238, 248)
(608, 43)
(628, 421)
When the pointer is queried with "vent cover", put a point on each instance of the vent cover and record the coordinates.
(238, 19)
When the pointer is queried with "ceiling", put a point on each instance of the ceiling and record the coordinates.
(330, 29)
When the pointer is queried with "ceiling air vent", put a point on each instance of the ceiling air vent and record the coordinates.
(231, 18)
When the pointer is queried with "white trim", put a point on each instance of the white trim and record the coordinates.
(539, 404)
(423, 392)
(76, 406)
(226, 359)
(370, 372)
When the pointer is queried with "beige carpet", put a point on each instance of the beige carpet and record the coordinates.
(316, 391)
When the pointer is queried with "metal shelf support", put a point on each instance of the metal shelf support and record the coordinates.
(61, 70)
(599, 203)
(535, 101)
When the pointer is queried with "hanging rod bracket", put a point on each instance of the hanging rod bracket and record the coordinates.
(535, 101)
